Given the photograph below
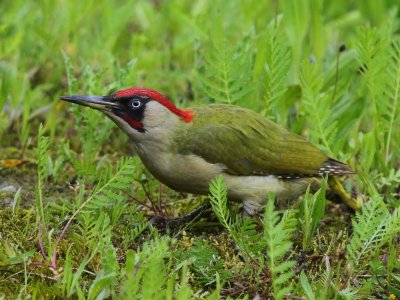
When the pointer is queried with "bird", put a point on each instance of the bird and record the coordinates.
(185, 149)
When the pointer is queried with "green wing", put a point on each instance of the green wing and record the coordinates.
(246, 143)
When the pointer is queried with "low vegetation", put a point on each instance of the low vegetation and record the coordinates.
(77, 208)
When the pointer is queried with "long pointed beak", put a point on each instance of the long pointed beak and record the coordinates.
(96, 102)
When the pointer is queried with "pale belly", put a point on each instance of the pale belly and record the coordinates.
(192, 174)
(186, 173)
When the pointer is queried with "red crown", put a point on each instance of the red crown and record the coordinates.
(185, 115)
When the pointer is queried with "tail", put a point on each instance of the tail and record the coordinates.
(335, 167)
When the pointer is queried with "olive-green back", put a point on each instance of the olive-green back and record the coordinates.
(247, 143)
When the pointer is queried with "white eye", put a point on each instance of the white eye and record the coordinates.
(135, 104)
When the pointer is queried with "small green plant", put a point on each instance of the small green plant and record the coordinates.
(323, 131)
(312, 210)
(146, 274)
(277, 67)
(42, 169)
(275, 240)
(242, 230)
(373, 227)
(92, 128)
(226, 73)
(277, 235)
(205, 262)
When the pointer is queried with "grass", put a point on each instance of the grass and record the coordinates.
(75, 205)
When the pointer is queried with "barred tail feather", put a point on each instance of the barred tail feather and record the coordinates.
(335, 167)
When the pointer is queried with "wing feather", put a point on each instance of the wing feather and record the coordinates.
(246, 143)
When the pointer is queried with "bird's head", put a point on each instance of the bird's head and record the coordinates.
(136, 110)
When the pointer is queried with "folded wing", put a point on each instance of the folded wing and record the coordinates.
(248, 144)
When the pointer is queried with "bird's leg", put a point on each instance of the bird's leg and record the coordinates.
(171, 223)
(196, 213)
(251, 208)
(338, 189)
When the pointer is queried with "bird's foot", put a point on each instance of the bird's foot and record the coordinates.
(166, 223)
(251, 208)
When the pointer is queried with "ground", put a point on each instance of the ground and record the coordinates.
(77, 207)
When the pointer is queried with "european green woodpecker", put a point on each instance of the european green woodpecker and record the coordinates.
(186, 149)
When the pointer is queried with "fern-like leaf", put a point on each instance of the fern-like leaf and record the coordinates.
(371, 47)
(392, 110)
(219, 199)
(141, 270)
(107, 193)
(243, 231)
(316, 105)
(42, 172)
(369, 230)
(277, 236)
(225, 75)
(277, 66)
